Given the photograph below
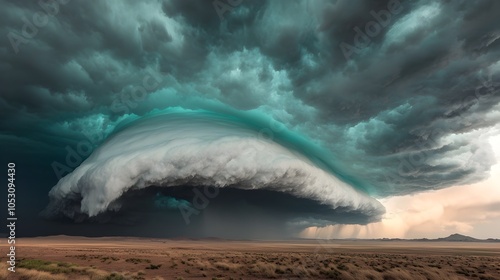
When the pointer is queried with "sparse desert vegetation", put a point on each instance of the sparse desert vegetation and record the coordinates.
(135, 259)
(35, 269)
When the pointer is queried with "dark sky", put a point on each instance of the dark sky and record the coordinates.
(402, 95)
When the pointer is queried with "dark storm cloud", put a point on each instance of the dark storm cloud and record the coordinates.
(232, 213)
(402, 93)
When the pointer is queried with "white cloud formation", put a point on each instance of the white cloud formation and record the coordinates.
(182, 150)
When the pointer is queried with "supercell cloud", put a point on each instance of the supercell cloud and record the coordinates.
(197, 149)
(307, 111)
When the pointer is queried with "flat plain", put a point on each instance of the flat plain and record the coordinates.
(63, 257)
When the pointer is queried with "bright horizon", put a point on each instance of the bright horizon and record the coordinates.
(472, 210)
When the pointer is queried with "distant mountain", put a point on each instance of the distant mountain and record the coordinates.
(452, 238)
(493, 240)
(459, 238)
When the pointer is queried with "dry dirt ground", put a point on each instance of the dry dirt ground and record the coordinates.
(75, 258)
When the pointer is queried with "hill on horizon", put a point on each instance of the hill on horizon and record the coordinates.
(456, 237)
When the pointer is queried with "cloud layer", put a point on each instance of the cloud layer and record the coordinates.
(402, 95)
(199, 150)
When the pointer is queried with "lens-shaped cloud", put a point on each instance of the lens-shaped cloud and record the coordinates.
(200, 149)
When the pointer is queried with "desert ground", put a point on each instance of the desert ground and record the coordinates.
(62, 257)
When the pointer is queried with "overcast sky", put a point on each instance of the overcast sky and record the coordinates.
(397, 99)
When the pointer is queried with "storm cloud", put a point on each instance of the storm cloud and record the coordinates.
(389, 97)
